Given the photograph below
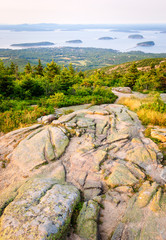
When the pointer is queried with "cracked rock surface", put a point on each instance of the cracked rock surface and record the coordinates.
(42, 208)
(96, 152)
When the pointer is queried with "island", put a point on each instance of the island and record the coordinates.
(74, 41)
(123, 30)
(146, 44)
(105, 38)
(36, 44)
(135, 36)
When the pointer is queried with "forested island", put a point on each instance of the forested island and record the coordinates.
(74, 41)
(105, 38)
(135, 36)
(146, 44)
(37, 44)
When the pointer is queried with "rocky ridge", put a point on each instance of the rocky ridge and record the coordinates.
(97, 156)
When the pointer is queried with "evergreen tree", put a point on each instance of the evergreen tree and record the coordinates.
(28, 68)
(71, 69)
(131, 76)
(39, 68)
(51, 70)
(12, 68)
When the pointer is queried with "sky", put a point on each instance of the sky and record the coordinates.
(82, 11)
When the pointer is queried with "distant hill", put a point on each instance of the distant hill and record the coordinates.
(81, 58)
(143, 65)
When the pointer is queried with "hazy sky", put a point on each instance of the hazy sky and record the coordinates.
(82, 11)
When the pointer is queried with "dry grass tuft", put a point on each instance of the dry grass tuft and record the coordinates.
(133, 103)
(147, 116)
(152, 117)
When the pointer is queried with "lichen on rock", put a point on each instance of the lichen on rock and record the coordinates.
(87, 220)
(42, 208)
(98, 151)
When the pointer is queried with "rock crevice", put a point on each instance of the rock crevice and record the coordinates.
(99, 151)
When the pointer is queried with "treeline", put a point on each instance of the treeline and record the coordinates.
(27, 95)
(149, 78)
(51, 85)
(36, 91)
(39, 81)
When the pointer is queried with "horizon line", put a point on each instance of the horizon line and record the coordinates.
(26, 23)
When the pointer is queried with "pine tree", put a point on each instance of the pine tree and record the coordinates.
(28, 68)
(39, 68)
(52, 70)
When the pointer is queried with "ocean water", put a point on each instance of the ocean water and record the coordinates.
(89, 38)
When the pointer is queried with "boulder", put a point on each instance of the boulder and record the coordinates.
(42, 209)
(121, 176)
(159, 133)
(40, 147)
(122, 89)
(145, 216)
(87, 220)
(47, 119)
(9, 141)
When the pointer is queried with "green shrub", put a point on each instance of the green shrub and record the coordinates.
(81, 90)
(13, 119)
(157, 105)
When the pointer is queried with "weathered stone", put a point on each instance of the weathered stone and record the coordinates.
(118, 232)
(47, 119)
(84, 122)
(159, 133)
(92, 187)
(145, 217)
(97, 110)
(54, 170)
(115, 137)
(146, 193)
(106, 154)
(141, 156)
(40, 147)
(32, 151)
(99, 157)
(114, 207)
(41, 209)
(10, 140)
(66, 118)
(59, 140)
(163, 174)
(124, 189)
(87, 220)
(90, 193)
(122, 89)
(163, 97)
(135, 170)
(121, 176)
(8, 195)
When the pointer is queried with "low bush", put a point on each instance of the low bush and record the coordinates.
(13, 119)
